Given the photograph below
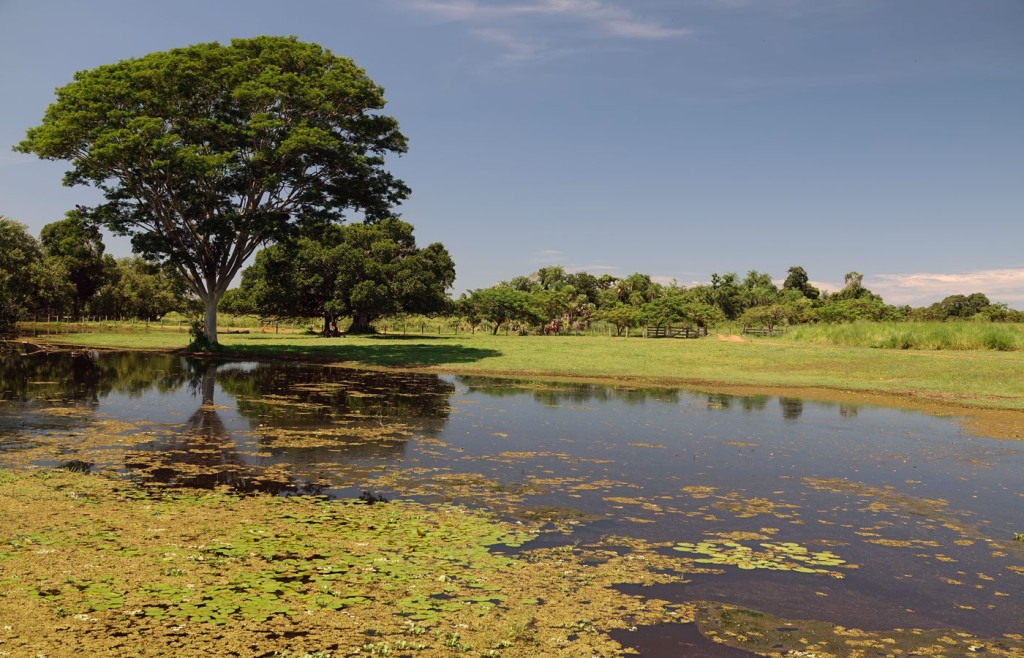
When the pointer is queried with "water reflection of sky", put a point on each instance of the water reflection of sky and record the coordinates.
(722, 442)
(663, 465)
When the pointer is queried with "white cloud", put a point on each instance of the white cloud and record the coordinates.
(505, 23)
(595, 269)
(920, 289)
(516, 48)
(548, 257)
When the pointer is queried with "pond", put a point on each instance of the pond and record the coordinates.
(857, 515)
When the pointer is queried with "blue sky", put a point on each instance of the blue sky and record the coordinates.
(672, 137)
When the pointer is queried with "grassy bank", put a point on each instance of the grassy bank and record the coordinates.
(946, 336)
(979, 378)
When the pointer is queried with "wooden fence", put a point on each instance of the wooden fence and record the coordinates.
(669, 331)
(763, 331)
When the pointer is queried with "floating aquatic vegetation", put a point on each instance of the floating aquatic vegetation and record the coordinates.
(779, 556)
(115, 564)
(769, 635)
(698, 491)
(744, 508)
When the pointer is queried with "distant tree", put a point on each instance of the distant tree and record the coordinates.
(854, 288)
(852, 309)
(235, 302)
(769, 316)
(636, 289)
(758, 290)
(79, 246)
(551, 278)
(958, 307)
(498, 305)
(140, 289)
(797, 280)
(53, 292)
(673, 309)
(726, 294)
(207, 152)
(552, 305)
(755, 279)
(587, 285)
(999, 312)
(621, 316)
(20, 255)
(561, 299)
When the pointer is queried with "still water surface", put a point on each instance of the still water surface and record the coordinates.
(923, 514)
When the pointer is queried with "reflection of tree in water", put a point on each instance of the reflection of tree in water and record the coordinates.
(304, 417)
(75, 377)
(294, 398)
(353, 416)
(553, 394)
(720, 401)
(847, 410)
(302, 403)
(205, 454)
(754, 402)
(28, 376)
(792, 408)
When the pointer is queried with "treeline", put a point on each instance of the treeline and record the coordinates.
(351, 276)
(66, 274)
(552, 300)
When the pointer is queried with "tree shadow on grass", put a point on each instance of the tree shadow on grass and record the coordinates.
(386, 351)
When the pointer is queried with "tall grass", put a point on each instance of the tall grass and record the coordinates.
(914, 335)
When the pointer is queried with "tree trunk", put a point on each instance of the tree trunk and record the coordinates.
(361, 324)
(210, 319)
(208, 384)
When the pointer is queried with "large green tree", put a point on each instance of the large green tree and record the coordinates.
(204, 153)
(380, 271)
(361, 271)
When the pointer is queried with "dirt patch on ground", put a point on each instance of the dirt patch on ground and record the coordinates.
(731, 338)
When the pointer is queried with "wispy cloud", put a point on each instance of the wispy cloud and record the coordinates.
(507, 23)
(517, 49)
(999, 285)
(548, 257)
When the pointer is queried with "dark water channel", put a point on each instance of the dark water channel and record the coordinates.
(922, 515)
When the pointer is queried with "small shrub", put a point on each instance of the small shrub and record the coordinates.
(199, 342)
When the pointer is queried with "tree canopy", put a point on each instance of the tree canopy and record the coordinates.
(204, 153)
(79, 247)
(360, 271)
